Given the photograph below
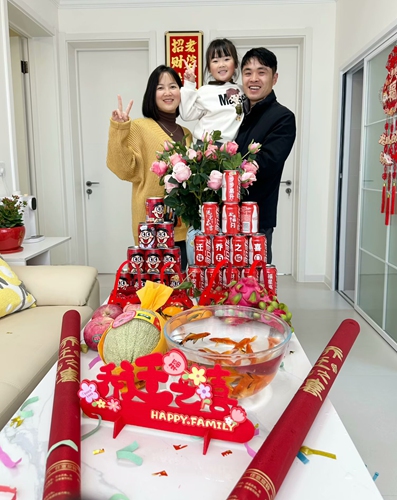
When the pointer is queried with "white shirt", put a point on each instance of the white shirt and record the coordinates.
(214, 106)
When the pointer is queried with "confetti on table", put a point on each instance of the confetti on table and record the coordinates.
(97, 452)
(90, 433)
(16, 422)
(84, 348)
(292, 352)
(161, 473)
(226, 453)
(94, 362)
(127, 453)
(310, 451)
(6, 460)
(375, 476)
(302, 458)
(7, 489)
(119, 496)
(180, 446)
(250, 451)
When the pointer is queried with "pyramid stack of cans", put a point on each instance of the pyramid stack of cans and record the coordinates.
(156, 247)
(231, 232)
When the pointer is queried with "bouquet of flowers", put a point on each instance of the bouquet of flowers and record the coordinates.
(193, 175)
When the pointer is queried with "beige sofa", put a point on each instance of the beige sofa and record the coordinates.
(29, 339)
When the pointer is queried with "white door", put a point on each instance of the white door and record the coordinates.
(286, 90)
(102, 74)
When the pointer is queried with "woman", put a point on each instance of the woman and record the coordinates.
(133, 144)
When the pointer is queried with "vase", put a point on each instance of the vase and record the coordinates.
(191, 233)
(11, 239)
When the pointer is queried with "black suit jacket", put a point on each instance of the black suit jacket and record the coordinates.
(273, 125)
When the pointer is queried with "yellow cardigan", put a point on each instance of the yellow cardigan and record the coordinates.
(132, 149)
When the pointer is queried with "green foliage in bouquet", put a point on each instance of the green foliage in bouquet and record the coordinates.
(11, 211)
(193, 175)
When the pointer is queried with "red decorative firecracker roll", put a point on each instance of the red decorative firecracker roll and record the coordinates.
(265, 474)
(62, 478)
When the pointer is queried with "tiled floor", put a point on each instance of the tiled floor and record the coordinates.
(365, 392)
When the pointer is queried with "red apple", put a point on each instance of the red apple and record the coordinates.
(94, 330)
(107, 310)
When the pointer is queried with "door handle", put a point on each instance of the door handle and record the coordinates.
(281, 182)
(90, 183)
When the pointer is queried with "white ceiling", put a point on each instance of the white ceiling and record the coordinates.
(171, 3)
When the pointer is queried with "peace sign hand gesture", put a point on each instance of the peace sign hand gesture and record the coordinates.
(189, 74)
(120, 116)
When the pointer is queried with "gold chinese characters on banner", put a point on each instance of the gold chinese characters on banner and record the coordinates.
(188, 46)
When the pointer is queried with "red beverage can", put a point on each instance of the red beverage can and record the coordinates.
(165, 235)
(154, 209)
(230, 218)
(172, 255)
(231, 186)
(144, 277)
(136, 255)
(135, 281)
(209, 273)
(249, 217)
(195, 275)
(257, 248)
(271, 272)
(202, 250)
(210, 217)
(239, 250)
(233, 275)
(153, 260)
(154, 276)
(125, 279)
(220, 248)
(147, 234)
(173, 279)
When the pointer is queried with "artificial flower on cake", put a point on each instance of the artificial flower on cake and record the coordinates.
(193, 175)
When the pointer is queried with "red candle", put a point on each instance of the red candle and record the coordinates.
(62, 479)
(265, 474)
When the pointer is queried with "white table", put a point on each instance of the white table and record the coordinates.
(190, 474)
(35, 254)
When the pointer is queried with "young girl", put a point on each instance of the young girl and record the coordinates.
(217, 105)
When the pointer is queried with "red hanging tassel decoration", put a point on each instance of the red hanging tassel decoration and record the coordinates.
(387, 213)
(383, 206)
(393, 199)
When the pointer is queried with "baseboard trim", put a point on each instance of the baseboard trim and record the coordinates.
(314, 278)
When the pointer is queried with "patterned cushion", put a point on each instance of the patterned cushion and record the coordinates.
(13, 294)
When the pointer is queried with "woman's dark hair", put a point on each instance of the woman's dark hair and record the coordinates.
(221, 47)
(264, 56)
(149, 106)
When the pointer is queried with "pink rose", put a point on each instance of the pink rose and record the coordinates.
(181, 172)
(247, 178)
(168, 146)
(230, 147)
(159, 168)
(176, 158)
(249, 166)
(168, 186)
(199, 156)
(254, 147)
(215, 180)
(191, 153)
(211, 150)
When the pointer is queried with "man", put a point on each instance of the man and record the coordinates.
(268, 122)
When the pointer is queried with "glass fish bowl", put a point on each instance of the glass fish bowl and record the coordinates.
(249, 343)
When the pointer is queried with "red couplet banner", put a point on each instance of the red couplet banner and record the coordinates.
(62, 479)
(265, 474)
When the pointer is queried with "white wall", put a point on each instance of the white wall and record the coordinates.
(320, 18)
(359, 24)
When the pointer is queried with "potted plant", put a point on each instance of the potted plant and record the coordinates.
(12, 230)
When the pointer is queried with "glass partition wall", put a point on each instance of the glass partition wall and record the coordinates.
(376, 264)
